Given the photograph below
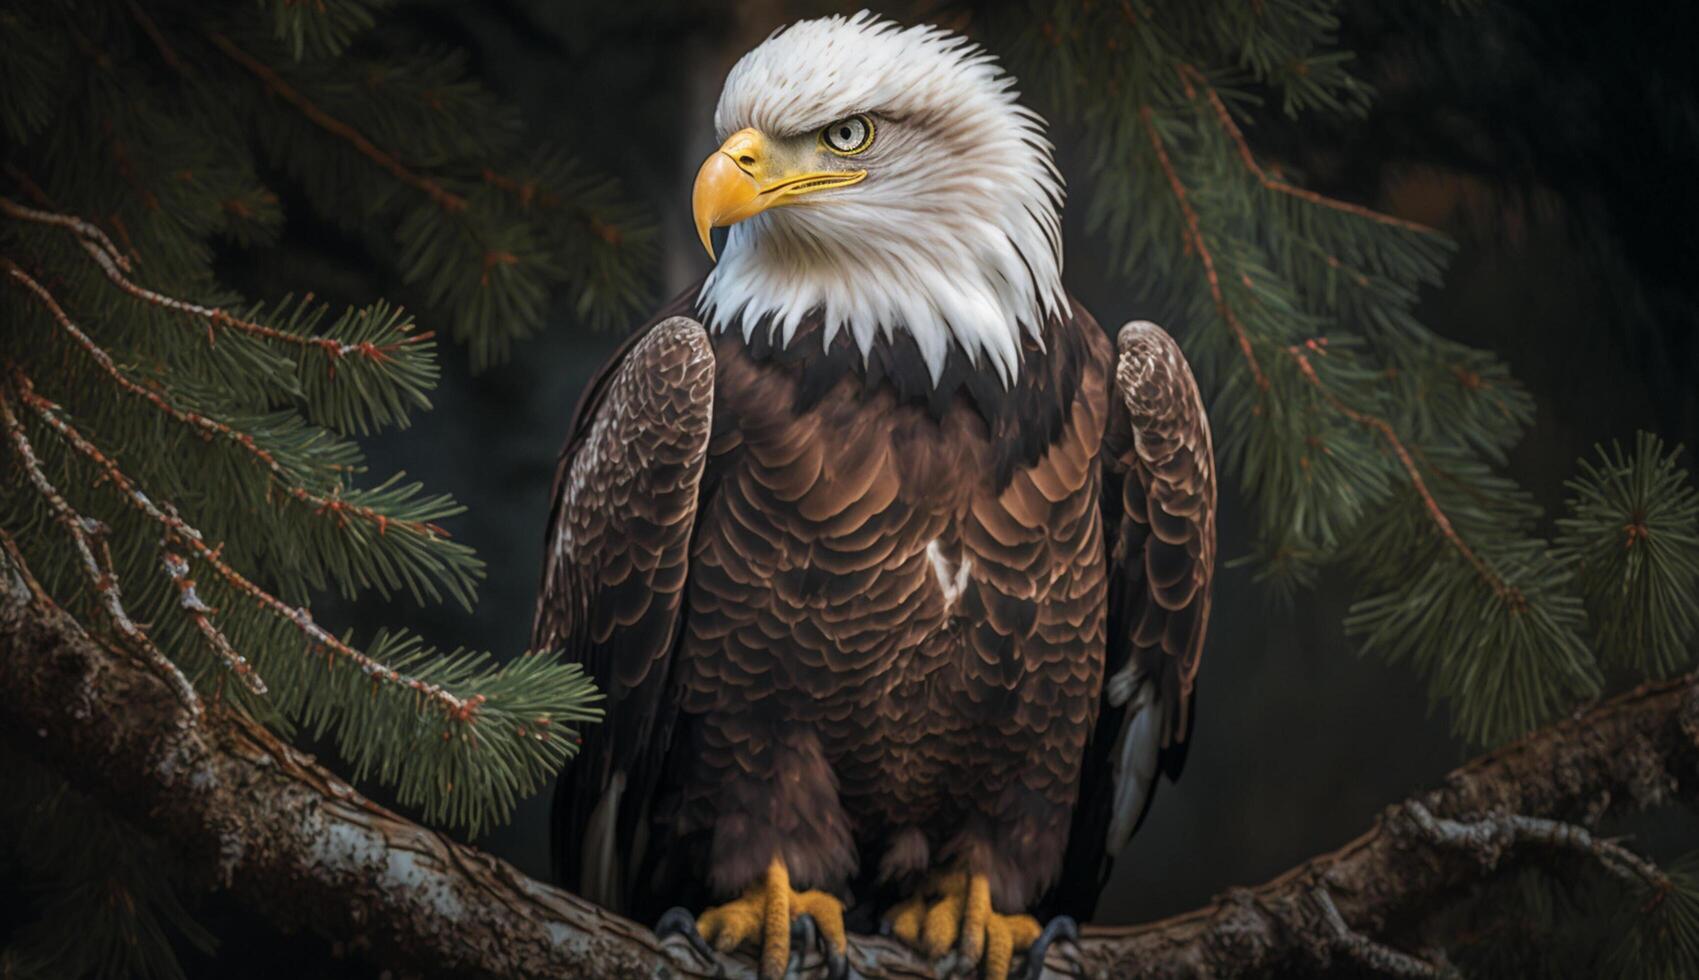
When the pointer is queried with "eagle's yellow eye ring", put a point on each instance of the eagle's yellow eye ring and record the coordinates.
(848, 136)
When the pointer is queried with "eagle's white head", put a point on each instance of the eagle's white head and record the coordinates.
(890, 179)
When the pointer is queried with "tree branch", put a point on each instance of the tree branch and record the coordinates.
(250, 814)
(1195, 242)
(1441, 521)
(1189, 74)
(113, 264)
(453, 706)
(1375, 956)
(89, 537)
(210, 428)
(447, 200)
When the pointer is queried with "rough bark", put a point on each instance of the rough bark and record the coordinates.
(302, 849)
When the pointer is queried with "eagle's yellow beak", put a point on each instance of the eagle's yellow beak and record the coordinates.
(745, 177)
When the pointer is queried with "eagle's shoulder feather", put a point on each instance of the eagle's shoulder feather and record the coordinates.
(614, 570)
(1158, 508)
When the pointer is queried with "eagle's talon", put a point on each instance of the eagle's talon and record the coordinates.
(943, 924)
(767, 913)
(1003, 935)
(1062, 927)
(826, 914)
(905, 920)
(807, 933)
(804, 933)
(960, 918)
(678, 921)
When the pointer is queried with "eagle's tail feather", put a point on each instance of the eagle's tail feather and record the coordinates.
(600, 862)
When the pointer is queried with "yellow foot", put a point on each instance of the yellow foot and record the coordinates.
(763, 916)
(954, 910)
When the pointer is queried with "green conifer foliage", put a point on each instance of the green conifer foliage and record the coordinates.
(1359, 435)
(180, 463)
(1632, 535)
(1363, 438)
(106, 894)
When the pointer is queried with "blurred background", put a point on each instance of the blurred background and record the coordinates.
(1557, 141)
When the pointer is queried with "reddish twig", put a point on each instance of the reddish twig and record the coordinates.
(454, 707)
(1435, 512)
(89, 232)
(154, 34)
(1335, 264)
(85, 533)
(215, 316)
(30, 187)
(1189, 74)
(177, 567)
(127, 166)
(531, 194)
(9, 545)
(274, 82)
(211, 428)
(1194, 234)
(527, 192)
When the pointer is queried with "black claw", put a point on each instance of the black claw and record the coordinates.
(837, 965)
(805, 935)
(678, 921)
(1061, 927)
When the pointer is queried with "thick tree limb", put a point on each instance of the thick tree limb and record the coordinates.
(248, 813)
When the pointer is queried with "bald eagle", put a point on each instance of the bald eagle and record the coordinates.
(894, 570)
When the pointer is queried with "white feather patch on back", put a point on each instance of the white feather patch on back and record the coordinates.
(952, 576)
(1135, 761)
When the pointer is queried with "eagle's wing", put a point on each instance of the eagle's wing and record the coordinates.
(1159, 529)
(614, 571)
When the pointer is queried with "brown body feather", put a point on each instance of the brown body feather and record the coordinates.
(875, 641)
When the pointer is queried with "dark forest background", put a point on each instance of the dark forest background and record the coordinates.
(1558, 142)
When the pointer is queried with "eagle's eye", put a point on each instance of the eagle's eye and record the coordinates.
(849, 135)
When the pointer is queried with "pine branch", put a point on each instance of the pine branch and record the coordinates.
(1384, 429)
(189, 600)
(447, 200)
(385, 366)
(114, 265)
(87, 535)
(167, 53)
(1197, 246)
(322, 28)
(213, 429)
(87, 230)
(252, 815)
(1191, 76)
(502, 731)
(1632, 535)
(454, 708)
